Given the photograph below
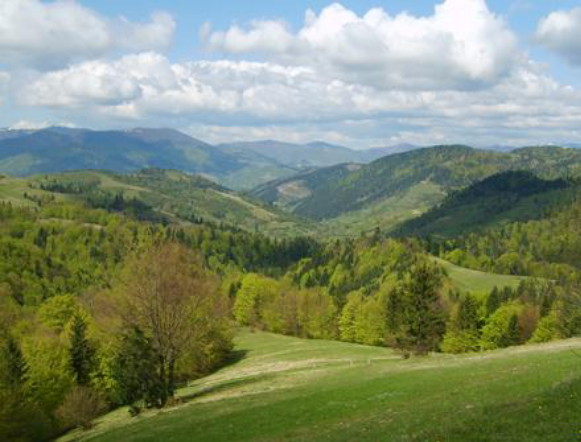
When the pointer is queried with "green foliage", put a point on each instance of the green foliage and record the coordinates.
(501, 329)
(56, 312)
(135, 370)
(254, 291)
(548, 247)
(13, 367)
(462, 331)
(81, 351)
(423, 316)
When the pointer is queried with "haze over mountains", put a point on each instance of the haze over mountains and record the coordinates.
(237, 165)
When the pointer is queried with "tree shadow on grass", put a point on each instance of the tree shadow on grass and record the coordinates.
(224, 386)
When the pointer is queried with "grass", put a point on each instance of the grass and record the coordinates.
(475, 281)
(286, 388)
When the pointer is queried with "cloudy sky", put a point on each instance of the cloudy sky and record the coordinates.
(360, 73)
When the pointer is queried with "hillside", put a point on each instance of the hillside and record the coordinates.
(431, 172)
(283, 388)
(170, 193)
(505, 197)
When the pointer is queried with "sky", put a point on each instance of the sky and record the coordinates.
(358, 73)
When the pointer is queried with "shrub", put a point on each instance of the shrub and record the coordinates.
(80, 407)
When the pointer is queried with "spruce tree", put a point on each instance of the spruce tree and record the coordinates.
(15, 367)
(424, 317)
(136, 371)
(81, 351)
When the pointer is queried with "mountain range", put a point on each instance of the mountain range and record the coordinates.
(236, 165)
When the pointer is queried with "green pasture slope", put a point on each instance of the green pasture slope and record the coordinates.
(284, 388)
(476, 281)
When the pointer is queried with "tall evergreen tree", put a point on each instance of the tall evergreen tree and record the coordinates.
(136, 371)
(81, 351)
(424, 315)
(14, 365)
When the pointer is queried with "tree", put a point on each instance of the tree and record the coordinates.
(168, 295)
(462, 331)
(424, 315)
(135, 370)
(14, 367)
(81, 351)
(501, 329)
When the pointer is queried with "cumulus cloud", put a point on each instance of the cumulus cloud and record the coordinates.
(50, 34)
(239, 94)
(376, 79)
(462, 45)
(560, 32)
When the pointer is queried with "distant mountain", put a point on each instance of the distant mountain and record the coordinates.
(504, 197)
(236, 165)
(57, 149)
(377, 152)
(297, 156)
(409, 183)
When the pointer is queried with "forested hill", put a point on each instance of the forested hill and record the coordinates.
(504, 197)
(155, 194)
(438, 170)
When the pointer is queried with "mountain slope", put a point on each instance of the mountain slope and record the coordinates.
(160, 193)
(504, 197)
(437, 170)
(59, 149)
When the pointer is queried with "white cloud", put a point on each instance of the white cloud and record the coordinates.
(560, 32)
(48, 34)
(35, 125)
(263, 99)
(371, 80)
(462, 45)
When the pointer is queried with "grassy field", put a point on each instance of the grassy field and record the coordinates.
(285, 388)
(475, 281)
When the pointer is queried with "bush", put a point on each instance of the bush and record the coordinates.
(80, 407)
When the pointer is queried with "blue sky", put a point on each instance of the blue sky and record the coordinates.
(360, 73)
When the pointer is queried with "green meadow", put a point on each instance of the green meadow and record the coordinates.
(284, 388)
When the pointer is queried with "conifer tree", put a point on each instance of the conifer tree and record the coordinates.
(424, 313)
(81, 351)
(136, 371)
(14, 364)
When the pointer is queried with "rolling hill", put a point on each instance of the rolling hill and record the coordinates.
(283, 388)
(407, 184)
(169, 193)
